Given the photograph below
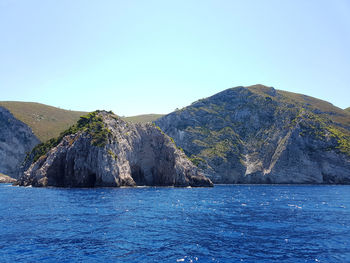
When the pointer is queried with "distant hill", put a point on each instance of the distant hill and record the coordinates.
(258, 134)
(143, 118)
(45, 121)
(347, 109)
(48, 122)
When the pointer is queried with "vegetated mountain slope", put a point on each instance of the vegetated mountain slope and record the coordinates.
(258, 134)
(16, 140)
(143, 118)
(103, 150)
(347, 109)
(45, 121)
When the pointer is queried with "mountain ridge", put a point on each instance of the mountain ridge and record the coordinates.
(251, 134)
(48, 122)
(261, 121)
(143, 118)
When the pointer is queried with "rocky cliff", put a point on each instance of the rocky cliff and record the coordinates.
(261, 135)
(16, 140)
(103, 150)
(6, 179)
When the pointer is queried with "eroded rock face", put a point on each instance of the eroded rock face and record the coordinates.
(133, 154)
(16, 140)
(261, 135)
(6, 179)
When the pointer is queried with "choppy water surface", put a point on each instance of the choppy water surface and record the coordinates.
(220, 224)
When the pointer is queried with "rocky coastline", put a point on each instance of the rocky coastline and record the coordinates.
(5, 179)
(102, 150)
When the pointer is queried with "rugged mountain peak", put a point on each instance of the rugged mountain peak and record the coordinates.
(103, 150)
(258, 134)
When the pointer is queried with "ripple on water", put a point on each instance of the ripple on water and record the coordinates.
(220, 224)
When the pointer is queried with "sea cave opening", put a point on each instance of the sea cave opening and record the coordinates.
(91, 180)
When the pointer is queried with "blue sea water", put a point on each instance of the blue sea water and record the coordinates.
(222, 224)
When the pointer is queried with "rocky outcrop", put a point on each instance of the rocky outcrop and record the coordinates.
(16, 140)
(261, 135)
(102, 150)
(6, 179)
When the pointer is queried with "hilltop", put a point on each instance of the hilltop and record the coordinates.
(144, 118)
(45, 121)
(347, 109)
(258, 134)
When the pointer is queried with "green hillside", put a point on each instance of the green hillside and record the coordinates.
(347, 109)
(249, 134)
(317, 106)
(143, 118)
(46, 121)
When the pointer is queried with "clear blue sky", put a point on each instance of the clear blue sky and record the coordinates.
(136, 57)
